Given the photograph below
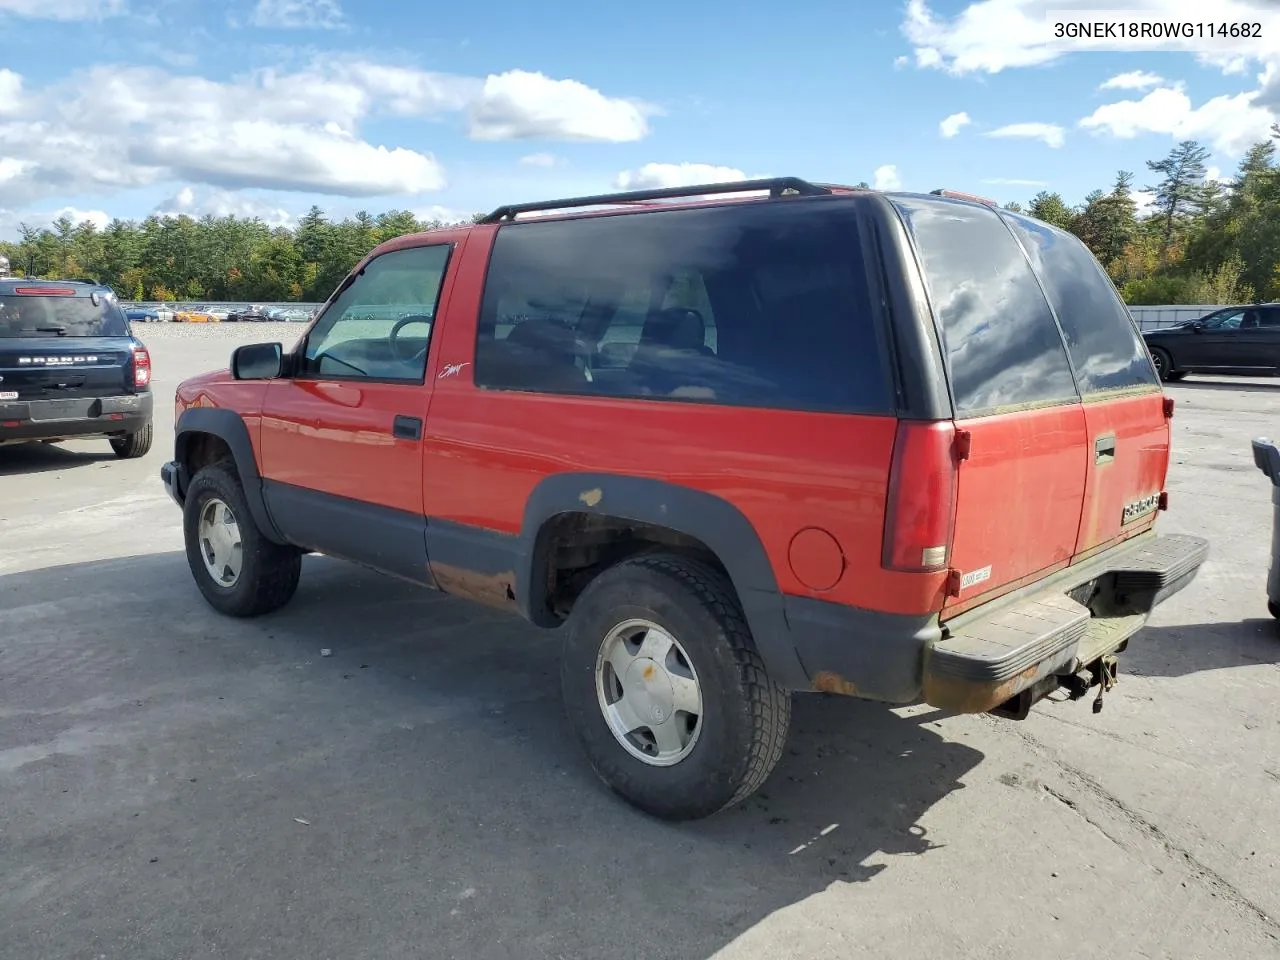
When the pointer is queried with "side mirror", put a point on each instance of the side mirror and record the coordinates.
(1197, 325)
(257, 361)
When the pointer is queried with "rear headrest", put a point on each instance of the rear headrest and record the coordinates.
(678, 328)
(546, 335)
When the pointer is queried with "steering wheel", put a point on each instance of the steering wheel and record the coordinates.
(393, 340)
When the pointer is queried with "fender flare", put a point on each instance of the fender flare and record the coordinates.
(706, 517)
(229, 427)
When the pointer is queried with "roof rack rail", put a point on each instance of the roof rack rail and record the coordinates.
(777, 187)
(957, 195)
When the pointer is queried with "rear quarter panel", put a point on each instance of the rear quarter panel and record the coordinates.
(485, 451)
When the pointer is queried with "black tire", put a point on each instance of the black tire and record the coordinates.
(269, 572)
(1176, 376)
(745, 716)
(133, 445)
(1273, 608)
(1164, 363)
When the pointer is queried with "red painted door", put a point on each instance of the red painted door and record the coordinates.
(1022, 485)
(1127, 450)
(341, 439)
(1129, 454)
(1019, 498)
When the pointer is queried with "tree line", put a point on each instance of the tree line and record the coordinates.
(1199, 241)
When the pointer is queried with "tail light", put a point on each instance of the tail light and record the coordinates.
(141, 366)
(921, 508)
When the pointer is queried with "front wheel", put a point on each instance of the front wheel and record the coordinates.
(1273, 608)
(240, 572)
(666, 691)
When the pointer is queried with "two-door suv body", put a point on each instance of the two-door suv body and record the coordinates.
(739, 440)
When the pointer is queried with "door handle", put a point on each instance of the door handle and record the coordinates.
(407, 428)
(1104, 449)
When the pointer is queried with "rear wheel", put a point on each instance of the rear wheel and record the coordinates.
(240, 572)
(665, 689)
(1163, 362)
(1274, 608)
(133, 445)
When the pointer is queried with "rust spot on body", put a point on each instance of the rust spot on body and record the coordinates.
(824, 681)
(648, 673)
(491, 589)
(591, 497)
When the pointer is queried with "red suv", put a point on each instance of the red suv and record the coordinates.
(775, 437)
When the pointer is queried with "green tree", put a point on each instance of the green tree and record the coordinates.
(1051, 208)
(1181, 193)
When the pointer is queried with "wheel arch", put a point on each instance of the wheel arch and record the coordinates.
(665, 515)
(202, 429)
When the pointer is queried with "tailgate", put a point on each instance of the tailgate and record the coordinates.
(64, 368)
(1128, 458)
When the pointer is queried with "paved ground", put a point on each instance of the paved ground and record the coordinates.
(177, 785)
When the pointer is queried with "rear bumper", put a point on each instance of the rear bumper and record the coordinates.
(991, 654)
(995, 653)
(22, 420)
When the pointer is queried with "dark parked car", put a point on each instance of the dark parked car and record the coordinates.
(1242, 339)
(142, 315)
(70, 367)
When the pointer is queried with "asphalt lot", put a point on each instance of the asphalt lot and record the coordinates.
(178, 785)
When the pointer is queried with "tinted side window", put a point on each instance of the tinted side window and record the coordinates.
(380, 326)
(758, 304)
(1003, 347)
(1269, 317)
(1105, 348)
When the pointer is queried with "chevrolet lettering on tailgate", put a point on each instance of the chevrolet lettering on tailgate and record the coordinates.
(1140, 508)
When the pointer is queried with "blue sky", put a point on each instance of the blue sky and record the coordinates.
(263, 107)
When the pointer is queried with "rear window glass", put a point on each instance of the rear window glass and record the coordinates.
(41, 316)
(1003, 347)
(759, 304)
(1105, 348)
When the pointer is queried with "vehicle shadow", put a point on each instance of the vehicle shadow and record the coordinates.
(1179, 650)
(28, 458)
(377, 767)
(1254, 384)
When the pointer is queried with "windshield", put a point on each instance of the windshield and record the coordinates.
(36, 316)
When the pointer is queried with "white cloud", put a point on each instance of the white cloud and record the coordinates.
(1229, 123)
(99, 218)
(953, 124)
(541, 160)
(296, 14)
(659, 175)
(887, 178)
(63, 9)
(518, 105)
(1133, 80)
(196, 202)
(10, 92)
(1049, 133)
(260, 153)
(12, 221)
(110, 128)
(444, 214)
(989, 36)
